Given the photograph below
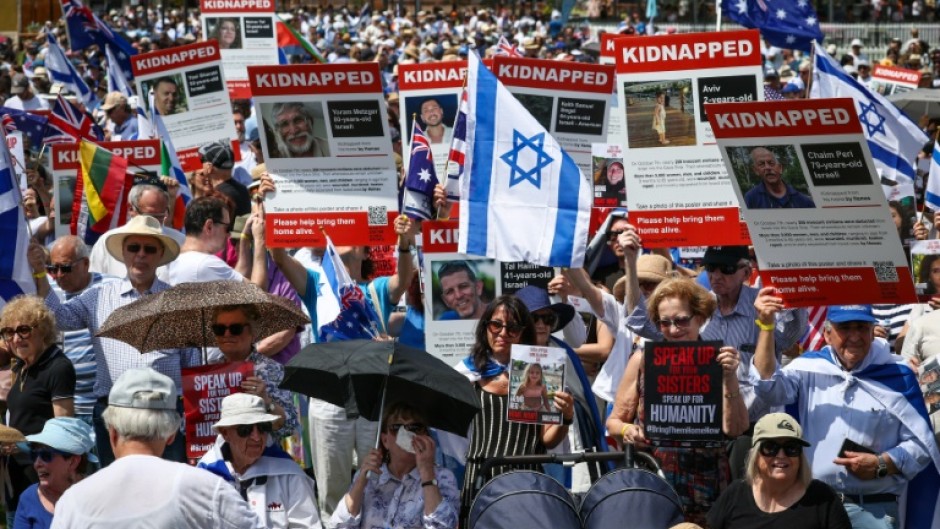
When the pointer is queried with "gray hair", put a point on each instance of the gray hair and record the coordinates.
(80, 248)
(142, 424)
(279, 108)
(138, 191)
(803, 477)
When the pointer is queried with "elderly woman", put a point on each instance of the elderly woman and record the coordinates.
(60, 454)
(43, 379)
(235, 328)
(246, 456)
(406, 491)
(779, 491)
(505, 322)
(681, 308)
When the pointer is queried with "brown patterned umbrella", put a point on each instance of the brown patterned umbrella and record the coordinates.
(181, 316)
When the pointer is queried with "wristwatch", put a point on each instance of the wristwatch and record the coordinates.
(406, 250)
(429, 483)
(882, 467)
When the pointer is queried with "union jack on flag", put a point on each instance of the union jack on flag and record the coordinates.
(82, 24)
(69, 123)
(505, 48)
(357, 318)
(31, 125)
(8, 124)
(458, 150)
(418, 191)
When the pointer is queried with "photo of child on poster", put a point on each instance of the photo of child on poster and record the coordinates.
(660, 113)
(535, 374)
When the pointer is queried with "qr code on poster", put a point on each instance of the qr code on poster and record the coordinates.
(885, 272)
(378, 216)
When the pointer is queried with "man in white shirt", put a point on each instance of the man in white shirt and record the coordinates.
(139, 489)
(24, 98)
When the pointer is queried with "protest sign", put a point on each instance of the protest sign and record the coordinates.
(925, 265)
(143, 157)
(204, 387)
(569, 99)
(15, 145)
(616, 115)
(813, 203)
(430, 92)
(245, 31)
(929, 376)
(610, 189)
(325, 138)
(678, 191)
(887, 80)
(535, 374)
(682, 388)
(190, 94)
(458, 287)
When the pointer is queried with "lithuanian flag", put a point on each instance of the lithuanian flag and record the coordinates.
(103, 185)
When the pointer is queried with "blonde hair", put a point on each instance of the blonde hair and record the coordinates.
(525, 378)
(700, 301)
(803, 477)
(30, 310)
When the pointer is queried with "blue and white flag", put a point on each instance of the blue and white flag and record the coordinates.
(16, 277)
(932, 193)
(893, 138)
(31, 125)
(118, 82)
(522, 198)
(417, 199)
(61, 71)
(789, 24)
(170, 162)
(357, 319)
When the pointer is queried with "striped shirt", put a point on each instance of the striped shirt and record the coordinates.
(738, 330)
(893, 318)
(77, 346)
(91, 308)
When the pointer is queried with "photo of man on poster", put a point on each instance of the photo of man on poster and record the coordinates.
(772, 191)
(168, 95)
(432, 115)
(461, 291)
(293, 127)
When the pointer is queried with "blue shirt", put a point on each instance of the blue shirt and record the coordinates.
(30, 514)
(759, 198)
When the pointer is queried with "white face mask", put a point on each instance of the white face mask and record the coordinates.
(404, 440)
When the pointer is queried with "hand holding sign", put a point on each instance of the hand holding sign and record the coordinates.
(768, 305)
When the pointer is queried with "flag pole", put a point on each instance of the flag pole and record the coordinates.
(15, 184)
(441, 215)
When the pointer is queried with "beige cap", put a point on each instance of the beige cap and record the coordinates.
(777, 426)
(112, 100)
(652, 267)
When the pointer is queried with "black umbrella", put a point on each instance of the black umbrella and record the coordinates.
(353, 373)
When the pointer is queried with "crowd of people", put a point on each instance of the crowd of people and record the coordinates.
(94, 436)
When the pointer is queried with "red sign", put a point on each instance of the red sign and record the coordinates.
(204, 387)
(448, 74)
(348, 78)
(810, 287)
(175, 58)
(236, 6)
(668, 228)
(300, 230)
(552, 75)
(687, 51)
(798, 117)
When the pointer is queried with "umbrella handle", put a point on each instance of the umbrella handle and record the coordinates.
(378, 432)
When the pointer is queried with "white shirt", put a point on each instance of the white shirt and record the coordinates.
(197, 267)
(147, 492)
(607, 381)
(102, 262)
(36, 103)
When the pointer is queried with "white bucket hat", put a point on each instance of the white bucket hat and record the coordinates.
(243, 408)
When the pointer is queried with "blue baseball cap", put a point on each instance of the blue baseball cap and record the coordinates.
(66, 434)
(844, 313)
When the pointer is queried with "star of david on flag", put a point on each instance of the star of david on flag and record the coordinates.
(522, 198)
(16, 277)
(893, 138)
(418, 192)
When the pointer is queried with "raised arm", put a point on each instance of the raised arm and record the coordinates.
(767, 305)
(398, 283)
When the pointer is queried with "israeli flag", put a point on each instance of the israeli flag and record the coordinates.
(16, 277)
(893, 138)
(932, 194)
(522, 198)
(61, 71)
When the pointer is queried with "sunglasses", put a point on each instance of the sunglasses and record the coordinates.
(244, 430)
(771, 448)
(46, 454)
(24, 332)
(415, 427)
(135, 247)
(726, 269)
(60, 268)
(680, 322)
(548, 318)
(496, 327)
(612, 235)
(236, 329)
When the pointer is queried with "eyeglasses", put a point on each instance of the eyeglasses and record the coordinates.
(496, 327)
(244, 430)
(414, 427)
(726, 269)
(24, 332)
(612, 235)
(135, 247)
(226, 225)
(61, 268)
(548, 318)
(46, 454)
(771, 448)
(681, 322)
(236, 329)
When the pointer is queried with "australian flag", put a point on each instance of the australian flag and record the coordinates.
(86, 29)
(789, 24)
(357, 319)
(32, 126)
(15, 275)
(67, 122)
(418, 192)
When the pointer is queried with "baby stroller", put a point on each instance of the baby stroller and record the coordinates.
(523, 499)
